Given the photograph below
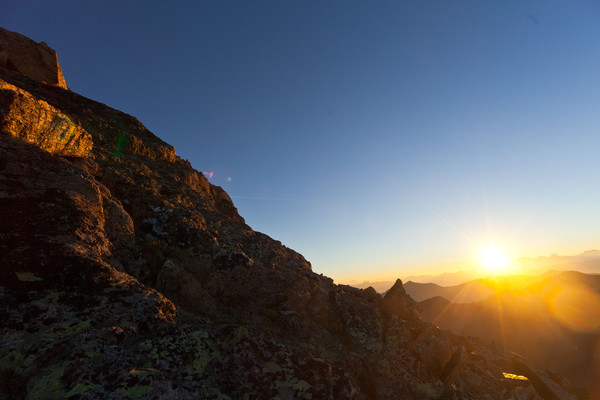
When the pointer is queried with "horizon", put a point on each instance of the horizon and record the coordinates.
(521, 266)
(397, 140)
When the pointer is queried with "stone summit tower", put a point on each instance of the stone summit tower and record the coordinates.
(37, 60)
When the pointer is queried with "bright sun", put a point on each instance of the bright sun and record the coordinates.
(493, 259)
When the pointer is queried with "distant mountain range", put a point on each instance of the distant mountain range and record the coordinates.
(587, 262)
(554, 321)
(474, 290)
(445, 279)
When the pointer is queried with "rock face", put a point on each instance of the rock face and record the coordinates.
(37, 122)
(36, 60)
(126, 274)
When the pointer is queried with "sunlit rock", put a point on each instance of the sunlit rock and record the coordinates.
(36, 60)
(35, 121)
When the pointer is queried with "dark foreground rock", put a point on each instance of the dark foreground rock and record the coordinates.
(126, 274)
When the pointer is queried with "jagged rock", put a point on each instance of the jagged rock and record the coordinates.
(36, 60)
(370, 294)
(526, 393)
(434, 349)
(547, 388)
(397, 302)
(35, 121)
(224, 204)
(454, 366)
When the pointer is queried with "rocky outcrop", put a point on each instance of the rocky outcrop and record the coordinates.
(36, 60)
(126, 274)
(37, 122)
(396, 302)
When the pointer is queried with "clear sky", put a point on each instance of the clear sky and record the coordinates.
(377, 138)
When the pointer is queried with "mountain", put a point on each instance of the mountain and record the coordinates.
(587, 262)
(444, 279)
(379, 286)
(474, 290)
(554, 322)
(127, 275)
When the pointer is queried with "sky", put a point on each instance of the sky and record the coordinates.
(377, 138)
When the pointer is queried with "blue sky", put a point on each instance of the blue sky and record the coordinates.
(378, 139)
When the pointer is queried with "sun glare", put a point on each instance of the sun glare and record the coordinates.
(493, 259)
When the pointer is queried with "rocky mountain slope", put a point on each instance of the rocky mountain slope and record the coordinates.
(126, 274)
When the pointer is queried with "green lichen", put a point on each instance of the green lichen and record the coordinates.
(50, 298)
(296, 384)
(81, 326)
(49, 386)
(10, 360)
(135, 392)
(200, 362)
(199, 335)
(429, 391)
(290, 381)
(147, 345)
(26, 276)
(271, 368)
(241, 333)
(82, 388)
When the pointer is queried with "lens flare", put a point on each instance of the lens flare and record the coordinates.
(576, 307)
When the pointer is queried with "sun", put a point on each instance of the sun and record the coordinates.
(493, 259)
